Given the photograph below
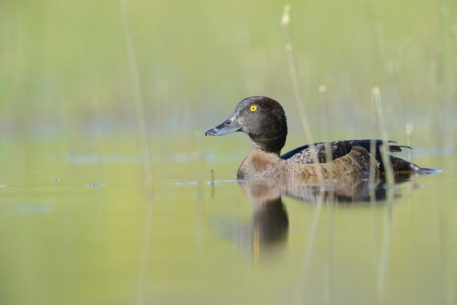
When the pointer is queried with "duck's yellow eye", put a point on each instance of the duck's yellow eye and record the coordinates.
(253, 108)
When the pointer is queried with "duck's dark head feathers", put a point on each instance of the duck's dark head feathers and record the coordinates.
(260, 117)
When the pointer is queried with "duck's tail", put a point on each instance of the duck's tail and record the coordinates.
(401, 165)
(426, 171)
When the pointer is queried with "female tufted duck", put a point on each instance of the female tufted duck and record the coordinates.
(264, 121)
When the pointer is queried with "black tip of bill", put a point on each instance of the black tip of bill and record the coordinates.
(211, 132)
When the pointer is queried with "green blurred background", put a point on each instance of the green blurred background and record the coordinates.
(65, 70)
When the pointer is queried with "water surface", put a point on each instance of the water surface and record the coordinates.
(78, 226)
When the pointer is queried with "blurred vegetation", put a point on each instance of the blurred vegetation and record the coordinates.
(64, 66)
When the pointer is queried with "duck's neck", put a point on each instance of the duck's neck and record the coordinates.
(270, 144)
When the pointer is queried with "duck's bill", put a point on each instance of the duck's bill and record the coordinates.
(227, 127)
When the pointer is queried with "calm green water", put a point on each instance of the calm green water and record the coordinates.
(78, 226)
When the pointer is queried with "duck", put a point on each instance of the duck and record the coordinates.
(263, 119)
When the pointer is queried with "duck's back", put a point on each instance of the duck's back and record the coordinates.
(308, 154)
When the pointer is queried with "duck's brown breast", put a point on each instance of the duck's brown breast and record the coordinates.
(260, 164)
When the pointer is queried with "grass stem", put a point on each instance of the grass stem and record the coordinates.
(147, 164)
(285, 21)
(137, 96)
(376, 94)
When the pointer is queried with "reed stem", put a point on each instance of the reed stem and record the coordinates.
(285, 21)
(147, 164)
(376, 94)
(137, 96)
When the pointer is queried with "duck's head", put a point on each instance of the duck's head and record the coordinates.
(261, 118)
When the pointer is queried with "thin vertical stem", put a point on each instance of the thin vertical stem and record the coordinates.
(285, 21)
(376, 92)
(384, 259)
(137, 96)
(141, 123)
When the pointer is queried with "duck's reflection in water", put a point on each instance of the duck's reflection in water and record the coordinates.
(269, 224)
(350, 189)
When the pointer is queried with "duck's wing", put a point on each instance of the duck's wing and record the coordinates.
(318, 151)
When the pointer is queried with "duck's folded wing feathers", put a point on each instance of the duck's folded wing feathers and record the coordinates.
(308, 154)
